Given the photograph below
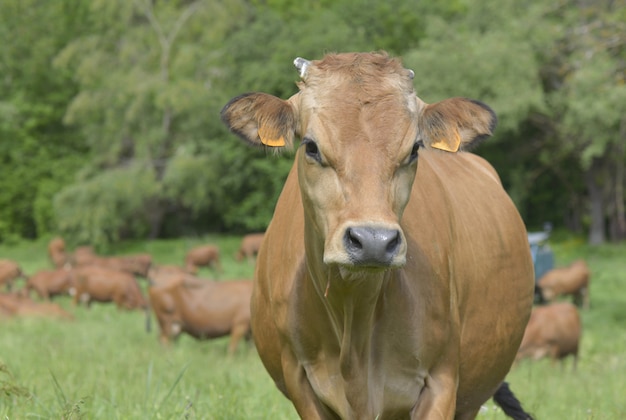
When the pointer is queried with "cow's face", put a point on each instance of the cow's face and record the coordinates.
(361, 127)
(357, 159)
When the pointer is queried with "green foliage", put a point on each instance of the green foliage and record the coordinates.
(255, 212)
(97, 211)
(34, 146)
(270, 68)
(595, 105)
(477, 61)
(192, 180)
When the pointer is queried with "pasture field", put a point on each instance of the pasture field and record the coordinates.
(104, 365)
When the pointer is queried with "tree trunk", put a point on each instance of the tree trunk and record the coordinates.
(574, 214)
(618, 216)
(156, 215)
(593, 178)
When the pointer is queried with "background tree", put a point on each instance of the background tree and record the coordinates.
(471, 55)
(38, 153)
(588, 95)
(144, 76)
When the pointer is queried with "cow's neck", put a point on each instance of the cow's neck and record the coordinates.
(349, 306)
(358, 309)
(351, 303)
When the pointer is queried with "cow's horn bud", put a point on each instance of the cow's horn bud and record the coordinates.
(411, 73)
(302, 65)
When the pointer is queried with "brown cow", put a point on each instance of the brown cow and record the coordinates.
(249, 247)
(571, 280)
(12, 304)
(136, 264)
(203, 256)
(373, 293)
(158, 273)
(56, 252)
(201, 308)
(50, 283)
(553, 331)
(9, 272)
(101, 284)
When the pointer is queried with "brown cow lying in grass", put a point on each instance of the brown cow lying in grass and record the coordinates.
(101, 284)
(136, 264)
(553, 331)
(49, 283)
(56, 252)
(201, 308)
(203, 256)
(9, 272)
(17, 305)
(249, 247)
(571, 280)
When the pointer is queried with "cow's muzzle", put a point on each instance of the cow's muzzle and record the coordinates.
(369, 246)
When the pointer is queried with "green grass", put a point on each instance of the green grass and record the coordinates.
(104, 365)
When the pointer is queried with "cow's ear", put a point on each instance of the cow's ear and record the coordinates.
(261, 119)
(457, 123)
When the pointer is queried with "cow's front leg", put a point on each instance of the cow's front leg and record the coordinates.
(438, 397)
(299, 390)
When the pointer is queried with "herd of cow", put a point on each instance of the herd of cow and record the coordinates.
(180, 301)
(553, 330)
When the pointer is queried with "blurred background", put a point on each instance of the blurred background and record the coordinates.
(109, 109)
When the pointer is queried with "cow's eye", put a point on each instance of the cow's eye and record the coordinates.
(311, 149)
(414, 150)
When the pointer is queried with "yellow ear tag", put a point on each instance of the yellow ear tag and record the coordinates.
(446, 144)
(268, 137)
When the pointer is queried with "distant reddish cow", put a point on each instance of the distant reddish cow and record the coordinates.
(56, 252)
(101, 284)
(136, 264)
(201, 308)
(250, 245)
(160, 273)
(571, 280)
(553, 331)
(50, 283)
(12, 304)
(83, 255)
(9, 272)
(203, 256)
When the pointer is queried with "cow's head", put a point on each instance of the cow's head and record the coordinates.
(361, 127)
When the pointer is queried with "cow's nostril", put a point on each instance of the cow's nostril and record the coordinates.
(352, 239)
(393, 243)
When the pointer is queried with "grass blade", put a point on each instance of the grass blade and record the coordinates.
(178, 378)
